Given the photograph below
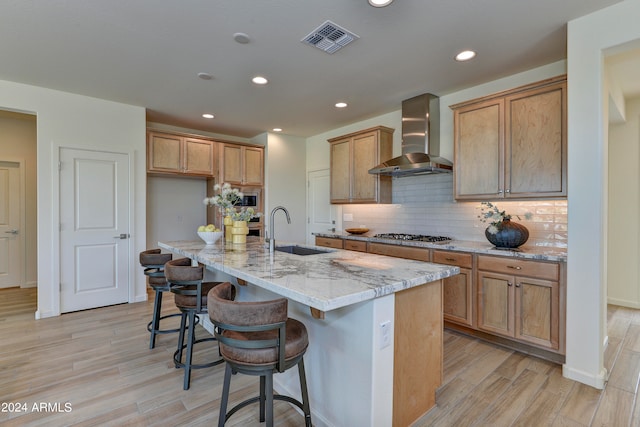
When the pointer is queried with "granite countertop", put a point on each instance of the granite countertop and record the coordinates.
(544, 253)
(326, 281)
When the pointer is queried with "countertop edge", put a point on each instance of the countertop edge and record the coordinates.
(539, 253)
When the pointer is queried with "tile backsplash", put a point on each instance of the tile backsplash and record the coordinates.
(424, 204)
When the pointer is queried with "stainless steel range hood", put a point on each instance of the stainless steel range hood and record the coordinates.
(420, 140)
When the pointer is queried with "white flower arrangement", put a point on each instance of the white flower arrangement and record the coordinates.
(244, 214)
(494, 216)
(226, 199)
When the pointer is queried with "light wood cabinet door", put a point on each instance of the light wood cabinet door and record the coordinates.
(479, 150)
(537, 312)
(340, 171)
(496, 303)
(241, 165)
(253, 166)
(176, 154)
(164, 153)
(329, 242)
(512, 144)
(351, 158)
(407, 252)
(536, 143)
(365, 185)
(457, 292)
(198, 157)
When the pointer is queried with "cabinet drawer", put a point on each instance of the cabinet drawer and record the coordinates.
(420, 254)
(518, 267)
(355, 245)
(453, 258)
(329, 242)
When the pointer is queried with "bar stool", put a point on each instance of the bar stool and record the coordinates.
(190, 295)
(257, 338)
(153, 262)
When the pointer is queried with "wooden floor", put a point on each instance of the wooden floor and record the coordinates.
(94, 368)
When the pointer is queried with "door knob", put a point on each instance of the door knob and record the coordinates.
(122, 236)
(12, 232)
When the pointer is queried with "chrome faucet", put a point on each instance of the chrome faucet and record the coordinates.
(272, 239)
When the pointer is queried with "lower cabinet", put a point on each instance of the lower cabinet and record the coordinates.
(457, 291)
(514, 302)
(522, 300)
(329, 242)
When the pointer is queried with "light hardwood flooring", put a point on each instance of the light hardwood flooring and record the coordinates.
(99, 362)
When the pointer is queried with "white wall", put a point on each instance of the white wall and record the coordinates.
(588, 38)
(69, 120)
(286, 185)
(18, 142)
(174, 208)
(623, 281)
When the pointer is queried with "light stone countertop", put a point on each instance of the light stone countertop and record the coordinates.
(326, 281)
(544, 253)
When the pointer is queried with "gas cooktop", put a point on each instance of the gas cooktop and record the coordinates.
(416, 237)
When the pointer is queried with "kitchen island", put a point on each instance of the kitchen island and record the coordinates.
(375, 325)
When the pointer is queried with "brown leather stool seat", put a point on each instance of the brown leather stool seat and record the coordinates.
(153, 262)
(190, 296)
(257, 338)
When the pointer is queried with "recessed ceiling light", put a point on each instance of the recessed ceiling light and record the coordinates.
(465, 55)
(207, 116)
(380, 3)
(205, 76)
(341, 104)
(241, 38)
(277, 129)
(259, 80)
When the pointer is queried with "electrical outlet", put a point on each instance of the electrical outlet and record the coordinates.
(385, 334)
(347, 217)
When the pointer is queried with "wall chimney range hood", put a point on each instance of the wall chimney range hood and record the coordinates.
(420, 140)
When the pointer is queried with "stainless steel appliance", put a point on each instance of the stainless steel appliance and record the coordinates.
(420, 140)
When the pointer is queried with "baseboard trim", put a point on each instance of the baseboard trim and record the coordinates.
(623, 303)
(596, 381)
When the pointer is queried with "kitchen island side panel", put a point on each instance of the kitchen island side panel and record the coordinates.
(348, 375)
(418, 360)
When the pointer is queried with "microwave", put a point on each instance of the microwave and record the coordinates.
(251, 199)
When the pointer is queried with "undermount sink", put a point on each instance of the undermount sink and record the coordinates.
(300, 250)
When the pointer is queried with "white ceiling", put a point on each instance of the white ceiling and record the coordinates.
(149, 52)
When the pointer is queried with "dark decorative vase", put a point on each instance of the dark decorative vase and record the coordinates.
(510, 235)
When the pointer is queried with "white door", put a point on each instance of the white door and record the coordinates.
(322, 214)
(94, 229)
(11, 236)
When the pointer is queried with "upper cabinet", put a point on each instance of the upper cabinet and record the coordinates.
(352, 156)
(181, 155)
(241, 164)
(512, 144)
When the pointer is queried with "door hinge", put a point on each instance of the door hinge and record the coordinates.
(59, 166)
(60, 286)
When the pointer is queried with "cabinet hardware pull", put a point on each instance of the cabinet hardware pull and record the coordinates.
(499, 191)
(509, 284)
(517, 285)
(507, 191)
(450, 259)
(514, 267)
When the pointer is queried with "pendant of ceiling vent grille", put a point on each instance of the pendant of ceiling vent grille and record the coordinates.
(329, 37)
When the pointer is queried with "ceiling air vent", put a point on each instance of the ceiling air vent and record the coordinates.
(329, 37)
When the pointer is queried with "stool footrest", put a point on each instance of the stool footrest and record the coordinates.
(179, 363)
(257, 399)
(164, 331)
